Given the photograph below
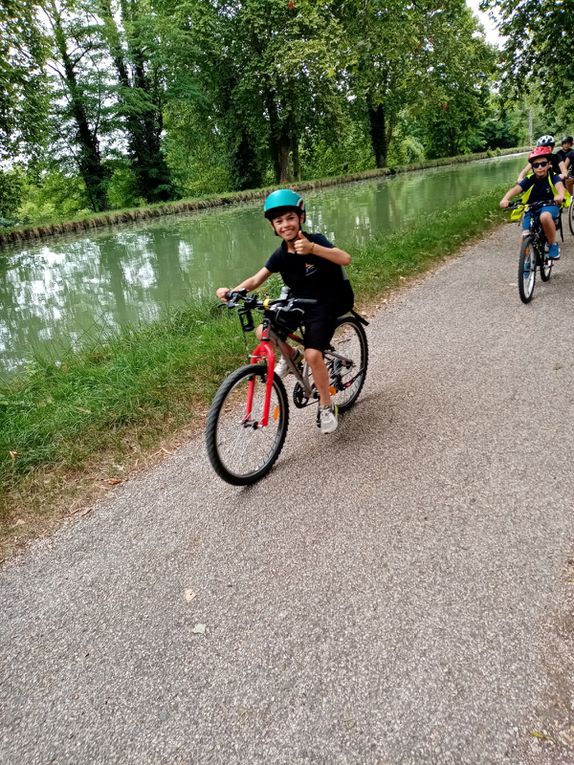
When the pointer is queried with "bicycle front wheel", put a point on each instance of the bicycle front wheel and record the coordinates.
(347, 360)
(545, 266)
(240, 449)
(526, 270)
(571, 216)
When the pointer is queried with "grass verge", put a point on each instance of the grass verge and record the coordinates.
(70, 431)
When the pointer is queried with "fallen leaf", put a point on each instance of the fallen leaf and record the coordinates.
(199, 629)
(541, 735)
(113, 481)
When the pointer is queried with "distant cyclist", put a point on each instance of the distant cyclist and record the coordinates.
(558, 165)
(312, 268)
(566, 153)
(541, 186)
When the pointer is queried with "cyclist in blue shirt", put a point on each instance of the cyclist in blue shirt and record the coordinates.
(541, 186)
(313, 268)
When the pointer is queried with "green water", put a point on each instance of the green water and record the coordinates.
(62, 292)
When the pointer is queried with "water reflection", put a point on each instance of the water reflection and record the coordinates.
(55, 295)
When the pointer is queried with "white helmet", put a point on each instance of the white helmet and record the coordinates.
(546, 140)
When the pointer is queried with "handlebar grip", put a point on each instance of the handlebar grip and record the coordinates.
(304, 301)
(230, 294)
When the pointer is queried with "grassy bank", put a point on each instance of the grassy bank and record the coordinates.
(10, 236)
(69, 431)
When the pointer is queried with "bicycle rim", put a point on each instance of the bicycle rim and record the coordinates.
(526, 270)
(545, 267)
(239, 449)
(347, 362)
(571, 217)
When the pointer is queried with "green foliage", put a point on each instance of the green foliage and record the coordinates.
(51, 197)
(122, 188)
(352, 152)
(24, 97)
(538, 49)
(11, 193)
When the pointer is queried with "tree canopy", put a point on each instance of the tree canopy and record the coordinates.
(138, 101)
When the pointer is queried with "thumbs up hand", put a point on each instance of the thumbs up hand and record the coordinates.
(302, 245)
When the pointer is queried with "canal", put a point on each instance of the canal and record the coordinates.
(64, 292)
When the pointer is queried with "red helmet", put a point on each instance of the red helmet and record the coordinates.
(540, 151)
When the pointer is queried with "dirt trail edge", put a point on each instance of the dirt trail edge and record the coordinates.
(398, 592)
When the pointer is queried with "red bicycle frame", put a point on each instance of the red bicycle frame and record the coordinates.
(263, 352)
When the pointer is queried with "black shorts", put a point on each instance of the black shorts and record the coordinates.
(319, 333)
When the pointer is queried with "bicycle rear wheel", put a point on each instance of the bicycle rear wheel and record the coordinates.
(526, 270)
(239, 449)
(347, 360)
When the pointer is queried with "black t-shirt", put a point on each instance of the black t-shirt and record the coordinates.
(541, 188)
(310, 276)
(556, 160)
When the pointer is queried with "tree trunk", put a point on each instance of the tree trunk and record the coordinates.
(296, 163)
(377, 127)
(245, 170)
(280, 144)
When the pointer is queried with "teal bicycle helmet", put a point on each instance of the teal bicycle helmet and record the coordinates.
(283, 200)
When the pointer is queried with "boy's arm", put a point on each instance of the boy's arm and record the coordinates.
(505, 201)
(559, 196)
(563, 169)
(523, 172)
(249, 284)
(304, 246)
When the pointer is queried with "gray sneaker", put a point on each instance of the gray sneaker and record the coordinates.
(328, 419)
(283, 369)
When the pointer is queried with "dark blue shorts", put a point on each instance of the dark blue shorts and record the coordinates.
(553, 209)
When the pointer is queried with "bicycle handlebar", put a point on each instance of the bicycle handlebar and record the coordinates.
(234, 298)
(529, 205)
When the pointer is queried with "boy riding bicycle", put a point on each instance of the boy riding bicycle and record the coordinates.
(541, 186)
(314, 269)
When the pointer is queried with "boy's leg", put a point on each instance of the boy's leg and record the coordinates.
(547, 221)
(318, 335)
(314, 358)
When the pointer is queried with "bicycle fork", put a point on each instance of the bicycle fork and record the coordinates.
(263, 352)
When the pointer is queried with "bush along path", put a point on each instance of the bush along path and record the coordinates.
(70, 430)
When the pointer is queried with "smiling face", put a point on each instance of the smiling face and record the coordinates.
(540, 167)
(287, 225)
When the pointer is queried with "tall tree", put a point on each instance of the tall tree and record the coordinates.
(131, 31)
(77, 64)
(455, 74)
(382, 42)
(538, 47)
(23, 88)
(269, 68)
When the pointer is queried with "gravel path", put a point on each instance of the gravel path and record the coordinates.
(398, 592)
